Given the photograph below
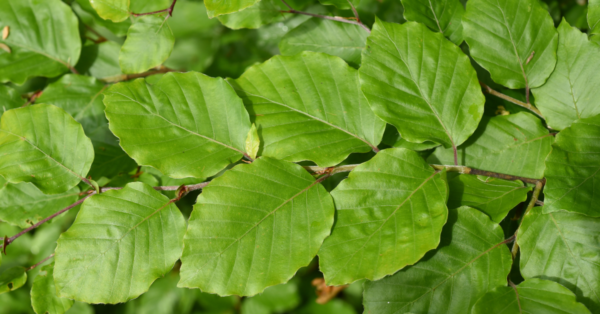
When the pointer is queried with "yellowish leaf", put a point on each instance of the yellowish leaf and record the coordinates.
(252, 142)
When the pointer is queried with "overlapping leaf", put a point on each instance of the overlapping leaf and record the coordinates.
(572, 91)
(9, 99)
(444, 16)
(43, 294)
(43, 39)
(12, 279)
(573, 169)
(115, 10)
(44, 145)
(470, 261)
(495, 197)
(121, 241)
(218, 7)
(88, 15)
(101, 61)
(390, 212)
(515, 40)
(81, 97)
(421, 83)
(531, 296)
(185, 125)
(563, 247)
(346, 41)
(261, 13)
(309, 107)
(593, 18)
(516, 144)
(149, 43)
(254, 227)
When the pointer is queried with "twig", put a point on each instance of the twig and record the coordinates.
(534, 197)
(32, 98)
(324, 292)
(517, 102)
(126, 77)
(331, 18)
(100, 38)
(169, 11)
(41, 262)
(354, 11)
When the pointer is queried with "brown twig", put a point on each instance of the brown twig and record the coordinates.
(100, 38)
(331, 18)
(41, 262)
(126, 77)
(169, 11)
(324, 292)
(517, 102)
(534, 197)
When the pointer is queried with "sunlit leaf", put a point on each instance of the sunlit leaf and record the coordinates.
(218, 7)
(254, 227)
(44, 145)
(252, 142)
(514, 40)
(255, 16)
(309, 107)
(12, 279)
(470, 261)
(390, 212)
(115, 10)
(121, 241)
(185, 125)
(43, 294)
(149, 43)
(516, 144)
(444, 16)
(593, 18)
(410, 76)
(89, 16)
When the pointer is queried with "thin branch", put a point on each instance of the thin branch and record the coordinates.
(534, 197)
(41, 262)
(517, 102)
(100, 38)
(126, 77)
(331, 18)
(354, 11)
(169, 11)
(287, 5)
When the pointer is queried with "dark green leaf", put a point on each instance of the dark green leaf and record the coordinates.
(9, 99)
(594, 19)
(218, 7)
(444, 16)
(341, 4)
(101, 61)
(12, 279)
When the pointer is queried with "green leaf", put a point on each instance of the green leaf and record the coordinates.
(149, 43)
(277, 299)
(252, 142)
(80, 96)
(571, 92)
(340, 4)
(563, 247)
(494, 197)
(346, 41)
(115, 10)
(309, 107)
(101, 61)
(43, 294)
(190, 20)
(531, 296)
(12, 279)
(218, 7)
(121, 241)
(336, 306)
(572, 169)
(516, 144)
(43, 37)
(593, 18)
(44, 145)
(9, 99)
(390, 212)
(24, 205)
(444, 16)
(515, 40)
(185, 125)
(164, 298)
(89, 16)
(255, 16)
(254, 227)
(392, 138)
(441, 105)
(470, 261)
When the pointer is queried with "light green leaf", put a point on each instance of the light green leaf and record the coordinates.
(515, 40)
(572, 91)
(346, 41)
(9, 99)
(43, 294)
(149, 43)
(390, 212)
(164, 298)
(101, 61)
(340, 4)
(252, 142)
(115, 10)
(495, 197)
(255, 16)
(44, 145)
(531, 296)
(563, 247)
(516, 144)
(309, 107)
(121, 241)
(444, 16)
(410, 76)
(81, 97)
(572, 169)
(12, 279)
(142, 6)
(218, 7)
(44, 39)
(24, 205)
(470, 261)
(185, 125)
(254, 227)
(89, 16)
(594, 18)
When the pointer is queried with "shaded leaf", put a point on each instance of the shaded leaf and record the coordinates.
(252, 142)
(101, 61)
(43, 294)
(149, 43)
(495, 197)
(12, 279)
(444, 16)
(309, 107)
(115, 10)
(392, 138)
(89, 16)
(261, 13)
(470, 261)
(254, 227)
(185, 125)
(593, 18)
(516, 144)
(503, 35)
(121, 241)
(390, 212)
(218, 7)
(336, 306)
(440, 106)
(44, 145)
(340, 4)
(9, 99)
(44, 39)
(277, 299)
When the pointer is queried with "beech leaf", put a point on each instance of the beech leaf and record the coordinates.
(43, 294)
(149, 43)
(444, 16)
(215, 8)
(12, 279)
(252, 142)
